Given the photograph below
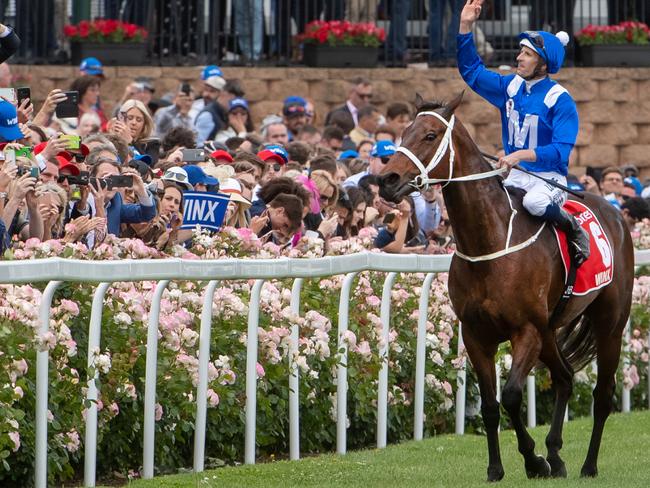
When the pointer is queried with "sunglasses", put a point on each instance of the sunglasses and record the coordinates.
(538, 41)
(170, 175)
(366, 96)
(277, 167)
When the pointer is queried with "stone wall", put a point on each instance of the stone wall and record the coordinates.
(613, 103)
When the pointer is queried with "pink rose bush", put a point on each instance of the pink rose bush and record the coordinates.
(119, 362)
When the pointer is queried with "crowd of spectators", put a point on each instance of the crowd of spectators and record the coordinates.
(289, 177)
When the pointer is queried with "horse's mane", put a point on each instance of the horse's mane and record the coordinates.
(431, 105)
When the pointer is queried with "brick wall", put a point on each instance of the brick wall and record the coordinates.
(614, 103)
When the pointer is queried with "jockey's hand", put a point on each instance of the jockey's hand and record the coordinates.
(508, 161)
(470, 14)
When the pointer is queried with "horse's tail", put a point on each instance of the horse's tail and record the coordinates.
(577, 342)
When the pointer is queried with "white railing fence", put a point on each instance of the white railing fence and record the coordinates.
(56, 271)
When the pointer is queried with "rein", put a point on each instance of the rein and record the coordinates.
(422, 182)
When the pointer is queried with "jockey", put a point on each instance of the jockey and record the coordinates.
(539, 120)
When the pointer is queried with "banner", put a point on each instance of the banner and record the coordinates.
(205, 209)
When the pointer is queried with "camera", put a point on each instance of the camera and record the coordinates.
(113, 181)
(82, 180)
(33, 171)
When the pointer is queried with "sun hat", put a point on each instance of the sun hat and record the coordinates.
(232, 187)
(178, 175)
(197, 176)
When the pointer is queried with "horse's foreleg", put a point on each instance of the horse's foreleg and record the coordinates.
(562, 378)
(482, 357)
(608, 354)
(526, 346)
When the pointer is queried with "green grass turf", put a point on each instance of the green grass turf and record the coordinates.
(446, 461)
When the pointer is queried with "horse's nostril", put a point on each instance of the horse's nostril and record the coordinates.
(391, 179)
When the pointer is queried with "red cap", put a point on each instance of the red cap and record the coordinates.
(40, 147)
(221, 154)
(267, 156)
(67, 165)
(83, 149)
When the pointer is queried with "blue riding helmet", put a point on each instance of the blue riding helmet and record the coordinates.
(549, 47)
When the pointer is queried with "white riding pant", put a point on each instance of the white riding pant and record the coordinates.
(539, 194)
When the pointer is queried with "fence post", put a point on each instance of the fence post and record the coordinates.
(202, 387)
(294, 397)
(382, 390)
(150, 381)
(461, 386)
(420, 358)
(342, 372)
(625, 397)
(251, 371)
(42, 380)
(94, 338)
(531, 410)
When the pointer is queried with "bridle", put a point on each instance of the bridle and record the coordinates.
(422, 182)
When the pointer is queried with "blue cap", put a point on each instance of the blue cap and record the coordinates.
(279, 150)
(92, 66)
(383, 149)
(197, 176)
(211, 70)
(348, 154)
(145, 158)
(634, 181)
(9, 129)
(549, 47)
(293, 100)
(236, 103)
(575, 185)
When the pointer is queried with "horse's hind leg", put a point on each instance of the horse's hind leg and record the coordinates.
(482, 357)
(608, 347)
(526, 346)
(562, 378)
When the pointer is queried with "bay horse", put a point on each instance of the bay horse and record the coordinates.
(510, 295)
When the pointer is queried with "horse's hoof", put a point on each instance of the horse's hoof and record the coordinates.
(558, 468)
(589, 471)
(538, 468)
(495, 473)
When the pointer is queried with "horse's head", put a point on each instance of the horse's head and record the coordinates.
(424, 152)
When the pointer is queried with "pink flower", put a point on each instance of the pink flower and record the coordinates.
(213, 398)
(114, 409)
(18, 391)
(15, 438)
(373, 300)
(72, 445)
(260, 370)
(349, 337)
(364, 349)
(71, 307)
(159, 412)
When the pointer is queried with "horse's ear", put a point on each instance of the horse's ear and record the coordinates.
(451, 107)
(419, 101)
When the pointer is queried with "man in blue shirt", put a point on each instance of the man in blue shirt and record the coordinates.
(539, 120)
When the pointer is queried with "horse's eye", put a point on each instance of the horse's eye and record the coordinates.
(431, 136)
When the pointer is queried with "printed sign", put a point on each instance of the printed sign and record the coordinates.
(205, 209)
(598, 270)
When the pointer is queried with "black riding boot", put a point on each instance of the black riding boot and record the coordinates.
(577, 238)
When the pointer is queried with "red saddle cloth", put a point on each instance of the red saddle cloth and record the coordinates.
(597, 271)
